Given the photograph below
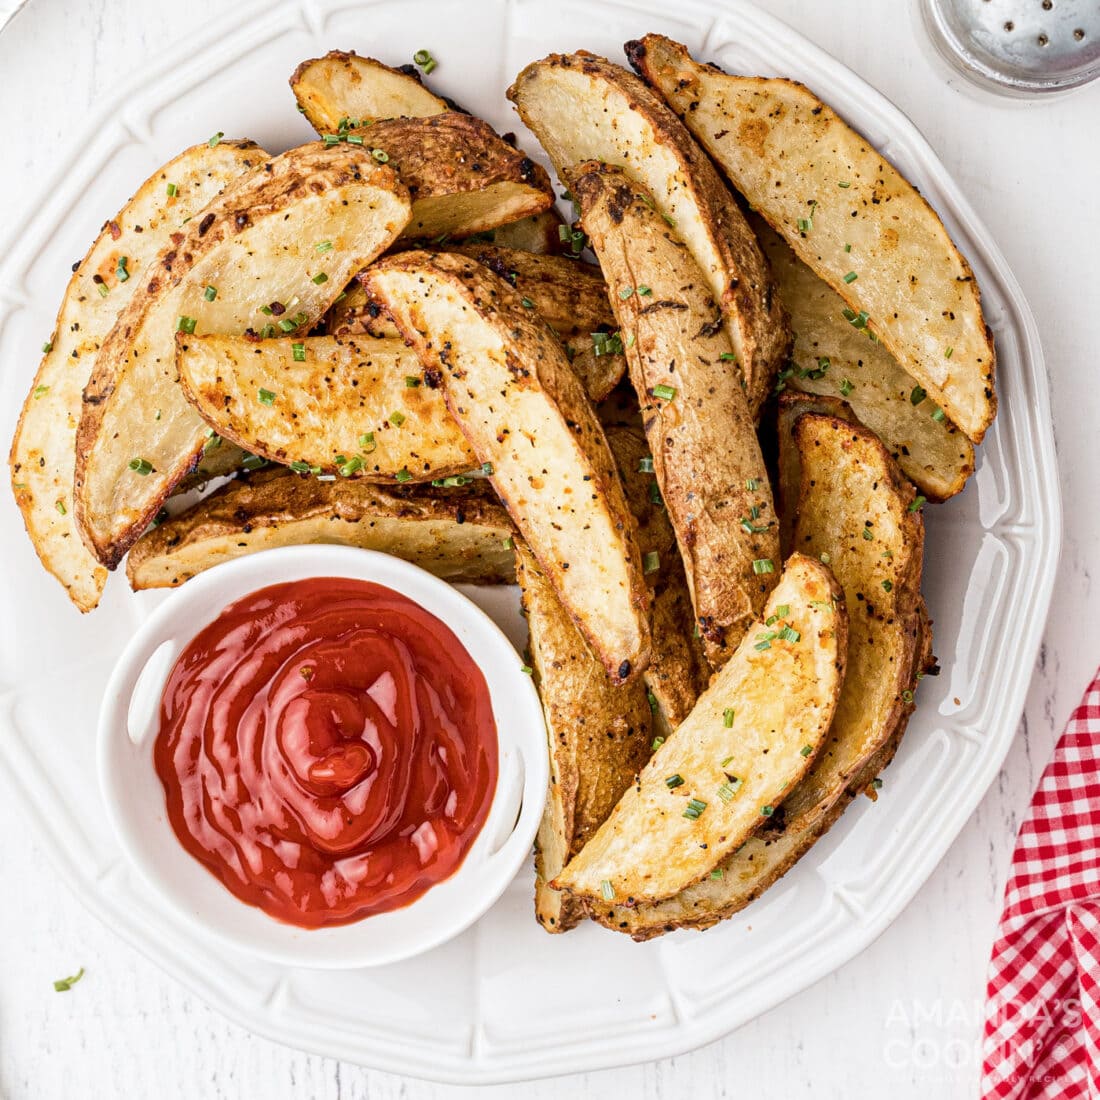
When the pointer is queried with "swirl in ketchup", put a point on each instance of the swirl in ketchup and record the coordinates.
(327, 749)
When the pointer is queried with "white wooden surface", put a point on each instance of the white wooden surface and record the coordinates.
(901, 1020)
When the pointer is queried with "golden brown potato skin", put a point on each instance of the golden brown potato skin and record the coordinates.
(845, 210)
(705, 451)
(462, 176)
(582, 107)
(599, 738)
(732, 760)
(43, 452)
(847, 481)
(459, 535)
(261, 231)
(509, 385)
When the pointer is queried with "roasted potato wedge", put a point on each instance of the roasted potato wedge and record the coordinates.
(582, 107)
(598, 735)
(461, 536)
(43, 453)
(728, 765)
(354, 406)
(678, 671)
(262, 243)
(570, 296)
(833, 359)
(341, 88)
(463, 177)
(705, 452)
(508, 383)
(849, 485)
(846, 211)
(539, 233)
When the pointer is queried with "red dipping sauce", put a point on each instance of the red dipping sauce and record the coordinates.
(327, 749)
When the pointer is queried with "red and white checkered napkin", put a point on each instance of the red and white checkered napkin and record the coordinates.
(1042, 1028)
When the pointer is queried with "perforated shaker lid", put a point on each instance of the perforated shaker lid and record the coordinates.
(1019, 47)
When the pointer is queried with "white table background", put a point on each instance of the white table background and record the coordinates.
(903, 1019)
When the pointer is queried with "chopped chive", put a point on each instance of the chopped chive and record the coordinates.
(767, 811)
(564, 233)
(644, 292)
(215, 139)
(422, 57)
(876, 784)
(352, 466)
(171, 190)
(665, 393)
(527, 670)
(651, 562)
(103, 289)
(210, 293)
(939, 416)
(320, 278)
(380, 155)
(727, 790)
(411, 382)
(843, 183)
(40, 391)
(783, 610)
(727, 717)
(120, 271)
(806, 750)
(655, 494)
(918, 503)
(867, 534)
(47, 347)
(397, 419)
(726, 763)
(907, 695)
(626, 292)
(851, 277)
(253, 462)
(63, 985)
(673, 781)
(287, 324)
(918, 395)
(266, 397)
(789, 634)
(141, 466)
(716, 873)
(323, 246)
(652, 699)
(403, 475)
(763, 644)
(60, 506)
(887, 586)
(185, 324)
(300, 467)
(847, 248)
(299, 352)
(846, 387)
(728, 356)
(330, 140)
(607, 890)
(527, 303)
(947, 354)
(509, 543)
(354, 139)
(645, 466)
(455, 481)
(763, 565)
(805, 225)
(366, 442)
(752, 485)
(695, 809)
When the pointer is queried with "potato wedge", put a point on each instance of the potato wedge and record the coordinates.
(354, 406)
(582, 107)
(849, 485)
(678, 671)
(539, 233)
(598, 735)
(824, 187)
(508, 383)
(461, 536)
(340, 87)
(43, 453)
(463, 177)
(266, 239)
(722, 772)
(831, 358)
(705, 452)
(570, 296)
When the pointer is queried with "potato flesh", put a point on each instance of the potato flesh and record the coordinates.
(256, 244)
(509, 385)
(845, 210)
(43, 454)
(653, 846)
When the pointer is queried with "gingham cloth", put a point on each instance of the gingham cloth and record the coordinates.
(1042, 1028)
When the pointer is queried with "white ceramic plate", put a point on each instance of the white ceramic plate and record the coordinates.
(506, 1001)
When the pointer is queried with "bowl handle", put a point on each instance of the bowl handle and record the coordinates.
(143, 685)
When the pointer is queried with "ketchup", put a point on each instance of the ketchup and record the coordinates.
(327, 749)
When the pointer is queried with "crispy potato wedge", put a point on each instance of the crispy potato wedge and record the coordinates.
(848, 482)
(722, 772)
(569, 295)
(831, 359)
(43, 453)
(354, 406)
(342, 87)
(539, 233)
(582, 107)
(255, 244)
(823, 187)
(220, 458)
(705, 452)
(462, 175)
(598, 734)
(508, 383)
(461, 536)
(678, 671)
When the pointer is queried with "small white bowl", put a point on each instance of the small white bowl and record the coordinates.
(129, 720)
